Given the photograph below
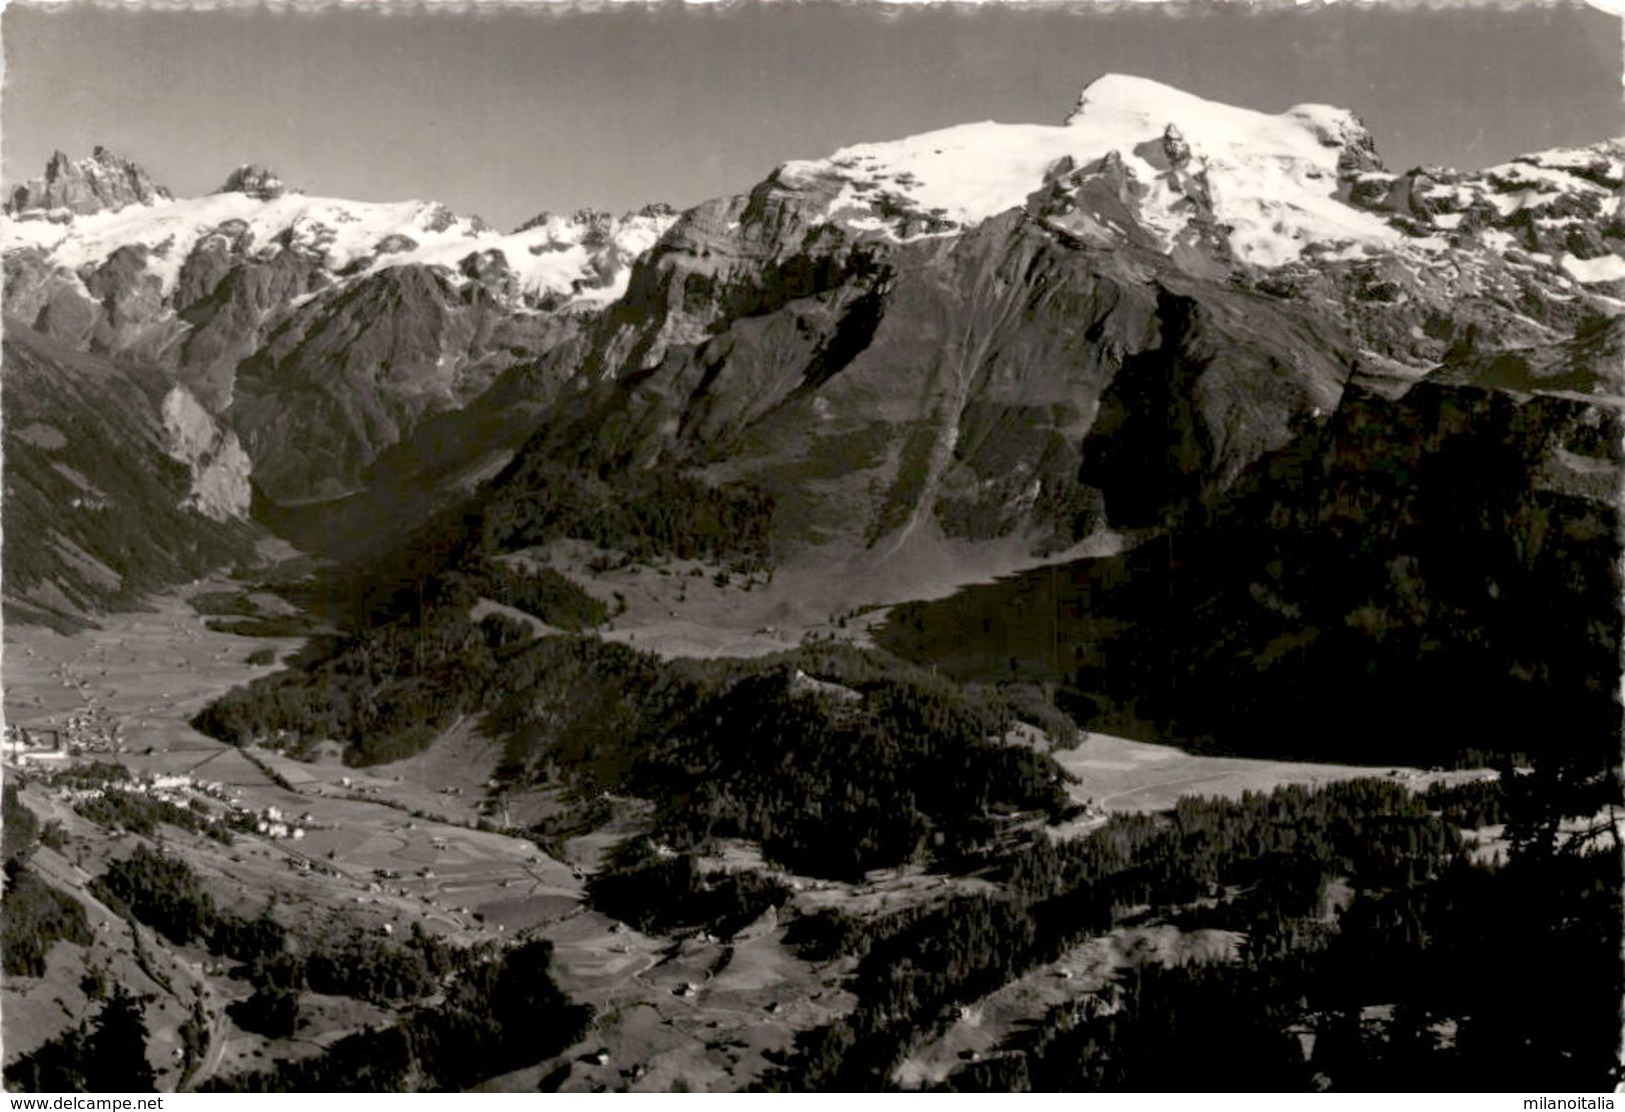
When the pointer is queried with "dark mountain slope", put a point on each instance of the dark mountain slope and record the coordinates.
(950, 384)
(345, 377)
(1433, 572)
(110, 484)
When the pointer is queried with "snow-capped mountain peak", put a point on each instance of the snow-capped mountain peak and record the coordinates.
(1140, 161)
(1123, 110)
(1272, 185)
(552, 262)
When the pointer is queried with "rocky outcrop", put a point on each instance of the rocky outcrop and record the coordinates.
(104, 182)
(256, 181)
(115, 485)
(219, 467)
(1554, 207)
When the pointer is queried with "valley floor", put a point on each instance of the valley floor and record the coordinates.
(702, 1012)
(395, 845)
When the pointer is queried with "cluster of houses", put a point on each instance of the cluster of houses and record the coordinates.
(180, 789)
(174, 789)
(23, 747)
(90, 731)
(272, 823)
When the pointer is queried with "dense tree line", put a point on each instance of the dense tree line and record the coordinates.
(162, 892)
(139, 813)
(269, 625)
(105, 1055)
(1365, 593)
(34, 916)
(388, 689)
(381, 974)
(580, 711)
(469, 1013)
(866, 765)
(643, 513)
(90, 774)
(501, 1012)
(836, 784)
(19, 828)
(1472, 804)
(224, 604)
(236, 612)
(194, 1034)
(384, 691)
(1482, 979)
(662, 893)
(1414, 943)
(542, 592)
(361, 966)
(1372, 830)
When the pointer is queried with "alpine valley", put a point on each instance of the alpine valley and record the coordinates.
(1128, 604)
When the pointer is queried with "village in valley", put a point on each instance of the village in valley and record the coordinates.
(98, 746)
(853, 580)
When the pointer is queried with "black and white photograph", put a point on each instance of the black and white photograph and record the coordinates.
(833, 547)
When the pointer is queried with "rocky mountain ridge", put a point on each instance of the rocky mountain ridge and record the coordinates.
(104, 182)
(987, 331)
(245, 295)
(1023, 334)
(548, 261)
(1384, 445)
(329, 331)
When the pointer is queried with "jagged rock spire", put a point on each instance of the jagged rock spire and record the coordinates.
(103, 182)
(256, 181)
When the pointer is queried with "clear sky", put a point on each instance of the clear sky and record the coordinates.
(507, 113)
